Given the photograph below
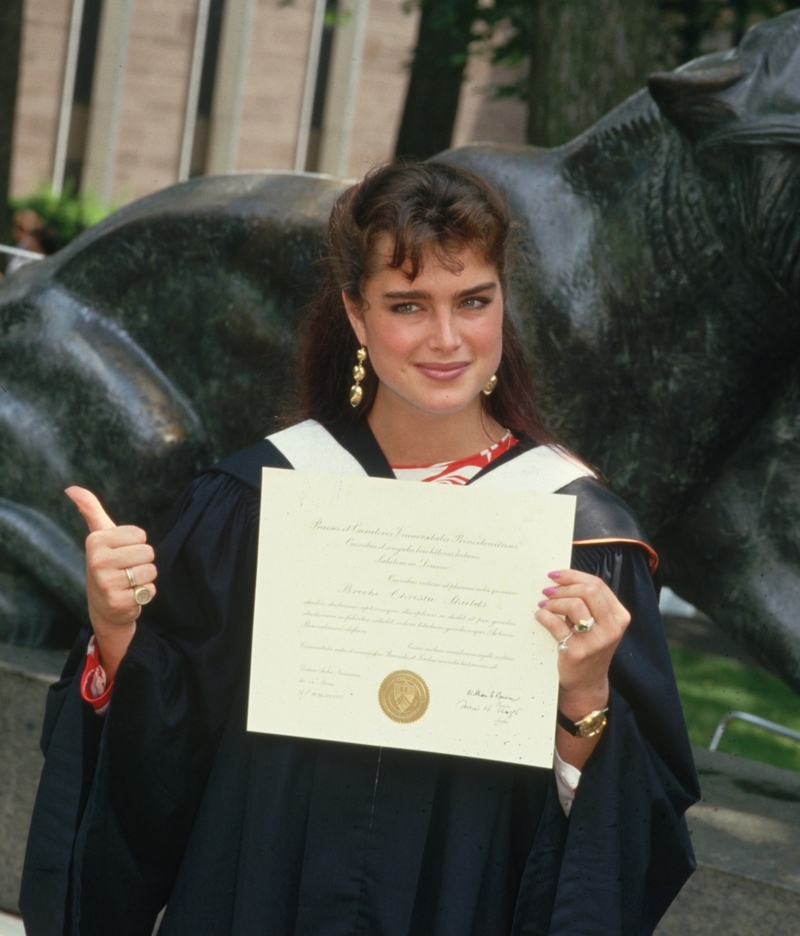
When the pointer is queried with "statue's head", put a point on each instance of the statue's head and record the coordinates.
(749, 95)
(742, 108)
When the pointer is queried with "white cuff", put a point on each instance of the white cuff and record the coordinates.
(567, 780)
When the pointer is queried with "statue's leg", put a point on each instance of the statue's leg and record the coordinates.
(736, 553)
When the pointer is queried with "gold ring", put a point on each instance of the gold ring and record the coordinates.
(142, 594)
(584, 626)
(131, 577)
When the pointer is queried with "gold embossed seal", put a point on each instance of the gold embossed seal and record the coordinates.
(404, 696)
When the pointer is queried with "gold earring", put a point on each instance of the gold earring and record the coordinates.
(356, 393)
(491, 383)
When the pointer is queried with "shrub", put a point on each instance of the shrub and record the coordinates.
(69, 214)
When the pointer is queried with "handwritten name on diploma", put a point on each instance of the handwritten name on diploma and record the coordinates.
(384, 611)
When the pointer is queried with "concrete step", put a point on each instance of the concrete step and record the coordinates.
(11, 925)
(715, 902)
(25, 675)
(746, 829)
(746, 834)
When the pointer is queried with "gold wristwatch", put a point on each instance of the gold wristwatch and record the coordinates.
(590, 726)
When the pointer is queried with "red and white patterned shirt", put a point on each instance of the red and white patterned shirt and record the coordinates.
(460, 471)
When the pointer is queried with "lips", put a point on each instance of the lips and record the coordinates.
(443, 372)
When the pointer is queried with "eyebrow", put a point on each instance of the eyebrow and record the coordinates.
(422, 294)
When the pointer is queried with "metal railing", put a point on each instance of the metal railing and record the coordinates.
(19, 252)
(764, 723)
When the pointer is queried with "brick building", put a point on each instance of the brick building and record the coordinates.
(139, 133)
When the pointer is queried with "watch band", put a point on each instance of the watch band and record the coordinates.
(587, 727)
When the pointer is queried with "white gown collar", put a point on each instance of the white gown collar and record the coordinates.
(308, 446)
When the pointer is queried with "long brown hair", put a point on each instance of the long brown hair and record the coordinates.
(423, 208)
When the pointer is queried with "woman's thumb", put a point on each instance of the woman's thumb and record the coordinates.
(91, 509)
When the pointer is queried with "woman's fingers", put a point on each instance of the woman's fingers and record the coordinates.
(91, 509)
(105, 556)
(114, 537)
(106, 561)
(584, 644)
(580, 596)
(575, 609)
(119, 565)
(121, 607)
(110, 579)
(583, 667)
(139, 554)
(557, 626)
(119, 560)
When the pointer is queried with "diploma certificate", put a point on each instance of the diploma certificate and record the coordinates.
(400, 614)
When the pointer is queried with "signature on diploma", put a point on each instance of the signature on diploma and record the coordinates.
(491, 702)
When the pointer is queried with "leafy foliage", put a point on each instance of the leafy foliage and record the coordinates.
(695, 24)
(69, 214)
(690, 28)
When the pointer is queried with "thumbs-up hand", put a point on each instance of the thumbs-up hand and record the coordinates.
(119, 577)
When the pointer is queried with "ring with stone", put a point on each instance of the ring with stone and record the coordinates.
(131, 577)
(562, 644)
(142, 594)
(585, 625)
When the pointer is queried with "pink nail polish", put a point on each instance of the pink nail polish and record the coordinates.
(556, 574)
(549, 591)
(542, 603)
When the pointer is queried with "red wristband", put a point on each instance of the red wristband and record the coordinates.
(94, 688)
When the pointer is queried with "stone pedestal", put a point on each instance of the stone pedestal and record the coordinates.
(746, 829)
(24, 677)
(746, 834)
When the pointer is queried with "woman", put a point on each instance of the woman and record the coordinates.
(410, 362)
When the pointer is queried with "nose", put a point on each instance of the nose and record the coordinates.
(444, 334)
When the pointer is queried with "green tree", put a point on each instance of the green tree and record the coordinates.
(695, 23)
(585, 58)
(577, 58)
(743, 13)
(446, 30)
(691, 22)
(580, 58)
(10, 38)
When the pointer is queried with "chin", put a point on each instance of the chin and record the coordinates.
(437, 400)
(439, 407)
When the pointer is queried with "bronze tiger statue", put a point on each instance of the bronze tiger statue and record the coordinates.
(659, 258)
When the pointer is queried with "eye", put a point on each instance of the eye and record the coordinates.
(475, 302)
(405, 308)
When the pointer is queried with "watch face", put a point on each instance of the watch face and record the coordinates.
(591, 725)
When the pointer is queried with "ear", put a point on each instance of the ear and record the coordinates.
(355, 312)
(693, 100)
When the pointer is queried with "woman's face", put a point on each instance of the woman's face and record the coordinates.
(433, 341)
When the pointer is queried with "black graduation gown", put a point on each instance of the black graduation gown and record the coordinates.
(168, 800)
